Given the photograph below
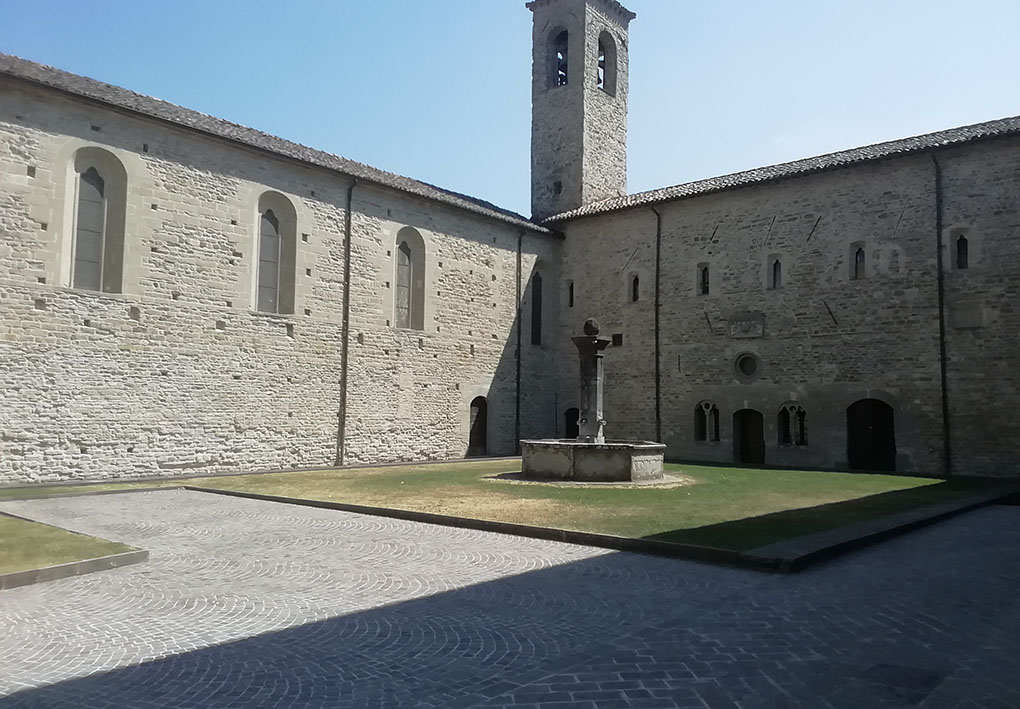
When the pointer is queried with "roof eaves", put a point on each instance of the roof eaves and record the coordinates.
(154, 108)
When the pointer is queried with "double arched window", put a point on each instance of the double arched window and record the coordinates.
(706, 422)
(97, 248)
(277, 254)
(409, 294)
(792, 425)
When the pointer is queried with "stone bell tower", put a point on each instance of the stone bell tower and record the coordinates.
(579, 103)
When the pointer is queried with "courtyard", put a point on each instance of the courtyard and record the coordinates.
(252, 603)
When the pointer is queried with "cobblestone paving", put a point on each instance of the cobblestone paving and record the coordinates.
(256, 604)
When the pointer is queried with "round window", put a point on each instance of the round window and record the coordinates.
(747, 366)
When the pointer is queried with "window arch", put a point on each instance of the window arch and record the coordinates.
(277, 254)
(792, 426)
(858, 268)
(776, 274)
(962, 256)
(560, 59)
(703, 279)
(536, 309)
(605, 76)
(100, 205)
(706, 422)
(409, 294)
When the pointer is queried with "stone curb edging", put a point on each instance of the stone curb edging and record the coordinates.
(787, 556)
(85, 493)
(73, 568)
(795, 554)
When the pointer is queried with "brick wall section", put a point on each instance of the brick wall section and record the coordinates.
(177, 373)
(881, 339)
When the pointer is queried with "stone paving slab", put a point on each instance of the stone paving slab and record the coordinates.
(257, 604)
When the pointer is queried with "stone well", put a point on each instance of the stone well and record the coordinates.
(609, 461)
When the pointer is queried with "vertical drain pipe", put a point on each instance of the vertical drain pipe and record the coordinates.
(658, 303)
(345, 335)
(947, 449)
(517, 352)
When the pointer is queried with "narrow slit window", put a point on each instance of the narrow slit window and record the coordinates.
(536, 309)
(703, 280)
(601, 71)
(776, 277)
(403, 294)
(962, 252)
(859, 263)
(635, 289)
(570, 294)
(560, 59)
(269, 263)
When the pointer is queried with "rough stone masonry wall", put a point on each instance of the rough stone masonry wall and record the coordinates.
(981, 194)
(824, 339)
(177, 373)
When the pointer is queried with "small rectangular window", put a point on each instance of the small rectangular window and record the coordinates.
(570, 294)
(618, 340)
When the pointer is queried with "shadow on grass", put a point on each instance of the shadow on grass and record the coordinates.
(753, 532)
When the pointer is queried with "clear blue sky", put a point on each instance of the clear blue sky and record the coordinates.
(439, 90)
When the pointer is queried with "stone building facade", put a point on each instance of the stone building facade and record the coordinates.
(179, 294)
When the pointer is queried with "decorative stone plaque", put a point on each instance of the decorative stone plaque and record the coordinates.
(747, 324)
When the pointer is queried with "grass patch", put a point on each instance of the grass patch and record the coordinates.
(28, 545)
(730, 508)
(21, 493)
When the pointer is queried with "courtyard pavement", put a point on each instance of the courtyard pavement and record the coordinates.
(257, 604)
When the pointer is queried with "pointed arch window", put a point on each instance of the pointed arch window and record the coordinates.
(706, 422)
(635, 289)
(962, 252)
(536, 309)
(560, 59)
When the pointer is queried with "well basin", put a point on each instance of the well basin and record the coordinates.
(611, 461)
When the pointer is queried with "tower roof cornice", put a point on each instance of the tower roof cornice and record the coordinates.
(612, 7)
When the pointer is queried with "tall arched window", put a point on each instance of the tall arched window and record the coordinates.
(560, 60)
(859, 264)
(277, 249)
(409, 294)
(605, 77)
(100, 203)
(706, 422)
(536, 309)
(776, 275)
(91, 225)
(962, 252)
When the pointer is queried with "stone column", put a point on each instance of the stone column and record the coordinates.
(589, 347)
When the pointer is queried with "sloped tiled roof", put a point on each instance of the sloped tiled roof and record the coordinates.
(124, 99)
(844, 158)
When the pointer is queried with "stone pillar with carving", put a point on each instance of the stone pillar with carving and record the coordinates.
(589, 347)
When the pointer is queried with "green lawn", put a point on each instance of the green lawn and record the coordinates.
(28, 545)
(730, 508)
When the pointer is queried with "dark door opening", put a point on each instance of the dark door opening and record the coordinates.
(570, 417)
(870, 435)
(479, 428)
(748, 437)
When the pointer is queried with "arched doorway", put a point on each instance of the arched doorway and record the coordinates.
(479, 427)
(570, 417)
(870, 435)
(748, 437)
